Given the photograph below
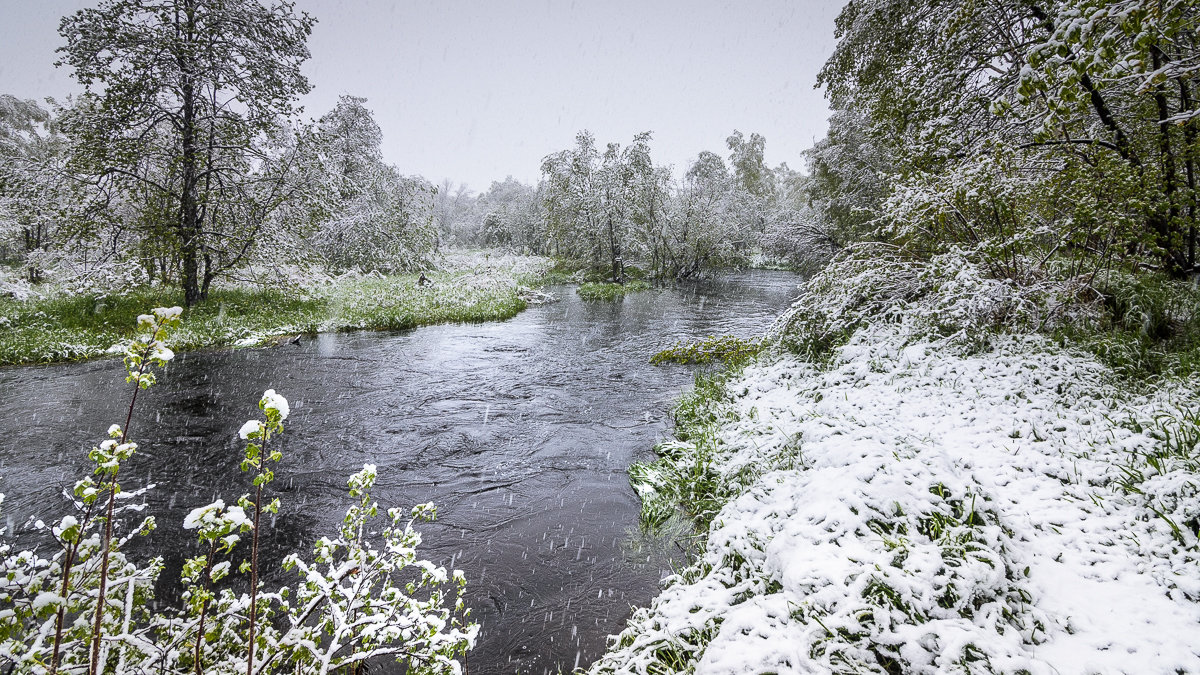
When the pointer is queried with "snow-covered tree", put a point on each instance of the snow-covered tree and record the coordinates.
(512, 215)
(572, 192)
(368, 215)
(34, 190)
(1096, 90)
(454, 212)
(181, 92)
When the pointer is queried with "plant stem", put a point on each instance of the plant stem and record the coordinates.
(262, 458)
(212, 550)
(106, 540)
(68, 562)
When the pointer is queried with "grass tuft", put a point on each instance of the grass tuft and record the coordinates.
(727, 349)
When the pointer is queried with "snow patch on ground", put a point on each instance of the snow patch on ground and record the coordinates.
(917, 508)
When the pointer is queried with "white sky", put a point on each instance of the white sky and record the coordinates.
(477, 90)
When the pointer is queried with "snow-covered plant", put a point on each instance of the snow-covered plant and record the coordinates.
(953, 294)
(147, 349)
(205, 637)
(258, 433)
(57, 621)
(359, 600)
(25, 578)
(86, 608)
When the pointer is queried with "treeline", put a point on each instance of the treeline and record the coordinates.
(1046, 138)
(614, 206)
(185, 161)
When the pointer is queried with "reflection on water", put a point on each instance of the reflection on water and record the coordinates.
(519, 431)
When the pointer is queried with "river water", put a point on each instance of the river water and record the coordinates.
(520, 431)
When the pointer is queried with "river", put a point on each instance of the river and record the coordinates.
(520, 431)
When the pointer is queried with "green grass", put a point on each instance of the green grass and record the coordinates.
(563, 271)
(727, 349)
(1152, 327)
(684, 480)
(610, 291)
(75, 327)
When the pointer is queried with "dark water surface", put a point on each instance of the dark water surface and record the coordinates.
(519, 431)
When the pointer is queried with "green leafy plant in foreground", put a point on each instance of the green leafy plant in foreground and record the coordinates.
(87, 608)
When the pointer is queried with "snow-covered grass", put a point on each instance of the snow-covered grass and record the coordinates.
(922, 482)
(728, 349)
(469, 287)
(919, 507)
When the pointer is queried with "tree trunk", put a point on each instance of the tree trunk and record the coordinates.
(1164, 224)
(209, 275)
(1189, 148)
(189, 207)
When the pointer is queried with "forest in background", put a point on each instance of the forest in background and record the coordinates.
(189, 165)
(1052, 143)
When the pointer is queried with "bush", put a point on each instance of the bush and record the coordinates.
(949, 296)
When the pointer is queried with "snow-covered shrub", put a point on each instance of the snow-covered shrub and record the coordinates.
(14, 286)
(1149, 304)
(76, 272)
(354, 602)
(56, 619)
(951, 294)
(800, 238)
(1015, 220)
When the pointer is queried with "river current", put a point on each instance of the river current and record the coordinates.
(519, 431)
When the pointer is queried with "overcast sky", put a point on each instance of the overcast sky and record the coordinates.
(475, 91)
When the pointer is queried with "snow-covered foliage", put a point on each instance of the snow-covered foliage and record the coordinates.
(949, 294)
(56, 620)
(925, 504)
(357, 602)
(1061, 127)
(354, 602)
(369, 217)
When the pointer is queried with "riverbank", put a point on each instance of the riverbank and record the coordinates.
(887, 498)
(467, 287)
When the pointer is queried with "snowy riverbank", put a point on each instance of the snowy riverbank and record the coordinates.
(467, 287)
(919, 506)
